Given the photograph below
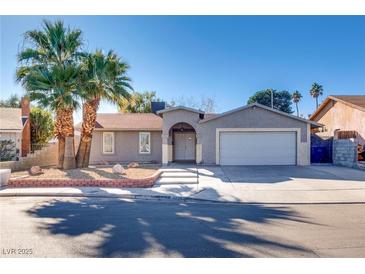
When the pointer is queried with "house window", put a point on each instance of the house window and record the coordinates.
(108, 142)
(144, 143)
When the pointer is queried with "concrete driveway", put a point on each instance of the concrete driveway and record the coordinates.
(282, 184)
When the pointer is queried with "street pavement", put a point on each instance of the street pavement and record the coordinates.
(112, 227)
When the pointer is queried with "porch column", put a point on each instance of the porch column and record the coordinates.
(165, 149)
(199, 150)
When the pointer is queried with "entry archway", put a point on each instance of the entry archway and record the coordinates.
(184, 140)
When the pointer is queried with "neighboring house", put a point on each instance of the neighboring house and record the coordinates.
(249, 135)
(343, 116)
(15, 126)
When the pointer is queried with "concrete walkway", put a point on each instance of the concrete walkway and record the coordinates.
(314, 184)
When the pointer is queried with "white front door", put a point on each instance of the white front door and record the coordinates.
(257, 148)
(184, 146)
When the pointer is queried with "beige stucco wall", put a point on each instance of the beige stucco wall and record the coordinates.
(337, 115)
(126, 148)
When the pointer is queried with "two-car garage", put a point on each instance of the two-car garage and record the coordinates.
(257, 147)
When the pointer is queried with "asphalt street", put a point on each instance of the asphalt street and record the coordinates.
(92, 227)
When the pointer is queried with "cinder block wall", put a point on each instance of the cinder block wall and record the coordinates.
(345, 152)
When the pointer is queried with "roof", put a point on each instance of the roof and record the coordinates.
(180, 108)
(127, 121)
(210, 115)
(263, 107)
(355, 101)
(11, 119)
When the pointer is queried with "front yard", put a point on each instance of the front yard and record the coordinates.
(100, 173)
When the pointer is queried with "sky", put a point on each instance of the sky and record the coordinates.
(227, 58)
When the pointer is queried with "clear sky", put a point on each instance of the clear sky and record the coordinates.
(224, 57)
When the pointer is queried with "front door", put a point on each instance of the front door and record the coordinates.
(184, 146)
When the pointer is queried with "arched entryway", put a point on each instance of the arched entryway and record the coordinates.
(183, 137)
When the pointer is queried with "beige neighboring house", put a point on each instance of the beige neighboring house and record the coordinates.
(248, 135)
(15, 126)
(343, 116)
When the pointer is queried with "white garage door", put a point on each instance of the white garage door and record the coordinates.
(257, 148)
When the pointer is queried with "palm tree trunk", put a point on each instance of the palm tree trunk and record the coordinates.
(60, 137)
(316, 102)
(69, 161)
(61, 151)
(89, 110)
(297, 109)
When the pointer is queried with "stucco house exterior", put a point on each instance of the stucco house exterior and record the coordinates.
(249, 135)
(15, 126)
(342, 114)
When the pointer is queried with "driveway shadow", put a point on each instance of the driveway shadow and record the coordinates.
(167, 229)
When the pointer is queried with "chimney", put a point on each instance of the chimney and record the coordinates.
(156, 106)
(25, 107)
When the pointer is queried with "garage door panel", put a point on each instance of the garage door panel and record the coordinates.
(257, 148)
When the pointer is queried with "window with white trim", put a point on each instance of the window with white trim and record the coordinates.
(108, 142)
(145, 142)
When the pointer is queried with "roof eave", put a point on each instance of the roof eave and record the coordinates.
(263, 107)
(336, 99)
(11, 129)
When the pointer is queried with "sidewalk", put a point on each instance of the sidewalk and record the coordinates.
(158, 192)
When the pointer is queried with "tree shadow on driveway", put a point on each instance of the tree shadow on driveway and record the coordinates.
(167, 229)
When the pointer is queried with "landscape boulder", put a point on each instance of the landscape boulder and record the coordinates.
(133, 164)
(118, 169)
(35, 170)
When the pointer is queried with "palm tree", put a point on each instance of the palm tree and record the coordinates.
(53, 52)
(316, 91)
(55, 88)
(102, 77)
(296, 97)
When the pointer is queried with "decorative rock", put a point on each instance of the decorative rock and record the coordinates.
(118, 169)
(133, 164)
(35, 170)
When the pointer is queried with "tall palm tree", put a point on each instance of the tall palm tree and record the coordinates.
(296, 97)
(316, 91)
(55, 88)
(102, 77)
(52, 51)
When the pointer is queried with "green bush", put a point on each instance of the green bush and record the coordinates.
(41, 126)
(7, 150)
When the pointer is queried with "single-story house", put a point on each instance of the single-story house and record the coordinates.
(249, 135)
(15, 126)
(343, 116)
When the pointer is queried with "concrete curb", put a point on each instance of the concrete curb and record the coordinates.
(167, 197)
